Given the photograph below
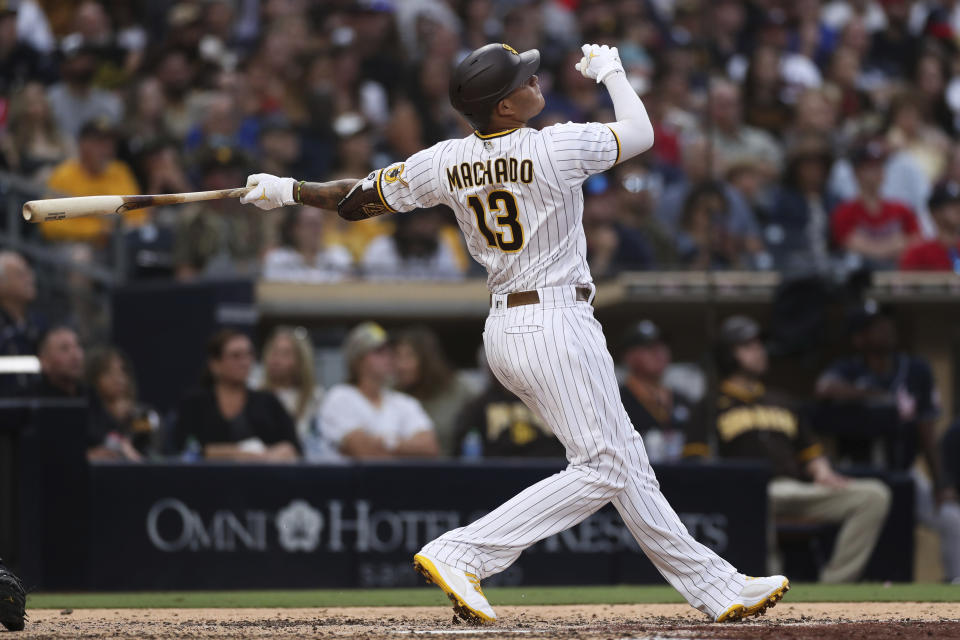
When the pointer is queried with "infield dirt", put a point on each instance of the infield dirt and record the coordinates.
(866, 620)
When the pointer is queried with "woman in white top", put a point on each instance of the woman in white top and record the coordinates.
(288, 372)
(302, 256)
(364, 419)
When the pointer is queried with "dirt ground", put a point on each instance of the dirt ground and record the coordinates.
(873, 621)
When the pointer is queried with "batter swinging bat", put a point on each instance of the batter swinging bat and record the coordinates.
(65, 208)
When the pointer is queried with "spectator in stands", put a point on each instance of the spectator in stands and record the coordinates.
(364, 418)
(638, 186)
(288, 372)
(422, 370)
(223, 125)
(119, 52)
(94, 172)
(734, 141)
(884, 404)
(798, 227)
(699, 166)
(703, 241)
(19, 61)
(124, 428)
(663, 416)
(150, 246)
(145, 122)
(611, 246)
(20, 329)
(61, 365)
(306, 253)
(227, 419)
(908, 132)
(219, 238)
(754, 423)
(943, 252)
(74, 100)
(32, 145)
(871, 227)
(497, 424)
(279, 146)
(417, 250)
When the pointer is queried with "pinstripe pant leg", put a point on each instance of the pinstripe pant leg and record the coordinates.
(528, 363)
(556, 361)
(707, 581)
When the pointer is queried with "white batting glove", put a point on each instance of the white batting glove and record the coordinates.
(269, 192)
(598, 62)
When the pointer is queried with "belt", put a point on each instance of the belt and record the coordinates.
(522, 298)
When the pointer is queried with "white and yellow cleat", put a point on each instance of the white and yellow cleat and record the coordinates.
(461, 587)
(757, 595)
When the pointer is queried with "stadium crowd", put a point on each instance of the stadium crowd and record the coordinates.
(789, 135)
(800, 136)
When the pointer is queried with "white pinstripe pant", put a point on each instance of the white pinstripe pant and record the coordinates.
(553, 356)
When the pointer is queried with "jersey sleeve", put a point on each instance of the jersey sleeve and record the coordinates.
(581, 150)
(408, 185)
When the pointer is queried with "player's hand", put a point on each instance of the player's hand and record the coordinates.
(269, 192)
(598, 62)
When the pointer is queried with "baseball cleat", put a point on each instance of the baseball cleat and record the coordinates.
(461, 587)
(757, 595)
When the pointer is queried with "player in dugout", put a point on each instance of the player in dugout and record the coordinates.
(516, 193)
(755, 423)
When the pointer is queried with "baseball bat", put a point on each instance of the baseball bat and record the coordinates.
(66, 208)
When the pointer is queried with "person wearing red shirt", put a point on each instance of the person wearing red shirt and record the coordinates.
(943, 252)
(877, 230)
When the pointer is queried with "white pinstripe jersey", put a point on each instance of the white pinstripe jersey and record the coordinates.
(516, 196)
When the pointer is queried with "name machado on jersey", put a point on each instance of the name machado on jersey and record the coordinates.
(516, 196)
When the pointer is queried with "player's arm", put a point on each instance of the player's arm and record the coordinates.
(633, 128)
(420, 445)
(403, 186)
(363, 446)
(270, 192)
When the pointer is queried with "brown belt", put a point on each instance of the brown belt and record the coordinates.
(522, 298)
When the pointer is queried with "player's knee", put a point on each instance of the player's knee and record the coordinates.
(874, 496)
(610, 474)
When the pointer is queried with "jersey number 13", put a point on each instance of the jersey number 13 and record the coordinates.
(504, 206)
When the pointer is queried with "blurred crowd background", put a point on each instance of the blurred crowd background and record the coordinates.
(806, 137)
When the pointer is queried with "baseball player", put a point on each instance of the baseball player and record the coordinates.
(517, 197)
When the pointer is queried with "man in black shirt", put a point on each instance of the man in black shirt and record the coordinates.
(882, 404)
(755, 423)
(660, 414)
(61, 365)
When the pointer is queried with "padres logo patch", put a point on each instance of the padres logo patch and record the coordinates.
(394, 174)
(511, 49)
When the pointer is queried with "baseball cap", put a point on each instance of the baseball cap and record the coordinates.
(944, 193)
(363, 339)
(872, 151)
(739, 330)
(642, 334)
(98, 127)
(864, 314)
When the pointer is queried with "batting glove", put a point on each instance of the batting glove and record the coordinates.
(269, 192)
(598, 62)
